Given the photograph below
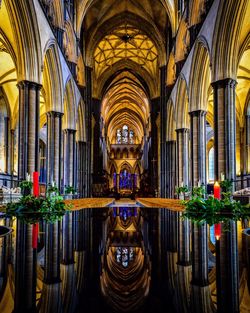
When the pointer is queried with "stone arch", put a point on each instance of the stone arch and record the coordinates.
(52, 78)
(80, 122)
(171, 123)
(200, 76)
(181, 104)
(26, 34)
(69, 120)
(226, 37)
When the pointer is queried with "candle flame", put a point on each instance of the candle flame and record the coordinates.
(217, 184)
(217, 237)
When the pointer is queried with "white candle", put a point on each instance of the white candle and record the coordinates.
(182, 184)
(222, 176)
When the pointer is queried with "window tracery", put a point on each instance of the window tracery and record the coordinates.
(125, 135)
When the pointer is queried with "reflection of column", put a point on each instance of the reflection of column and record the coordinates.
(28, 137)
(69, 156)
(54, 143)
(182, 156)
(227, 277)
(67, 239)
(25, 270)
(118, 181)
(52, 254)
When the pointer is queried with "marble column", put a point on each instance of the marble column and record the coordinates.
(170, 168)
(182, 173)
(29, 125)
(69, 157)
(227, 265)
(54, 144)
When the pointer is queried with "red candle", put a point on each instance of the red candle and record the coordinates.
(217, 190)
(36, 184)
(35, 231)
(217, 231)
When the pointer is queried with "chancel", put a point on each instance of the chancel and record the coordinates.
(125, 156)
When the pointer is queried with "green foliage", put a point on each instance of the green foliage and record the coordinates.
(213, 211)
(31, 209)
(25, 184)
(182, 189)
(70, 189)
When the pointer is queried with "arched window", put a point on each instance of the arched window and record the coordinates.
(131, 136)
(118, 136)
(211, 164)
(124, 135)
(124, 255)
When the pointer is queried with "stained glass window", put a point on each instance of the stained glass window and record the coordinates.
(124, 255)
(118, 136)
(124, 135)
(211, 164)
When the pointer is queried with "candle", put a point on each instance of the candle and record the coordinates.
(35, 231)
(36, 184)
(217, 231)
(222, 176)
(217, 190)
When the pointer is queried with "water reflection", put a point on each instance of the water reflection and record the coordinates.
(94, 260)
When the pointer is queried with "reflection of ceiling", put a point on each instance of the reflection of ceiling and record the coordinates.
(125, 42)
(125, 102)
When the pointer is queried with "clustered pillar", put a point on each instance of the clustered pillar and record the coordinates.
(227, 267)
(28, 162)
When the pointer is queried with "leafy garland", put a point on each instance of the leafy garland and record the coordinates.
(200, 209)
(31, 209)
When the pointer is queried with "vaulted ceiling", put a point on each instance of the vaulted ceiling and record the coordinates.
(125, 44)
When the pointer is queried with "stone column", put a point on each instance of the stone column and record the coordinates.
(81, 168)
(29, 125)
(69, 157)
(227, 267)
(6, 144)
(182, 156)
(54, 144)
(198, 147)
(170, 168)
(163, 116)
(88, 116)
(247, 151)
(182, 295)
(12, 150)
(28, 162)
(201, 297)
